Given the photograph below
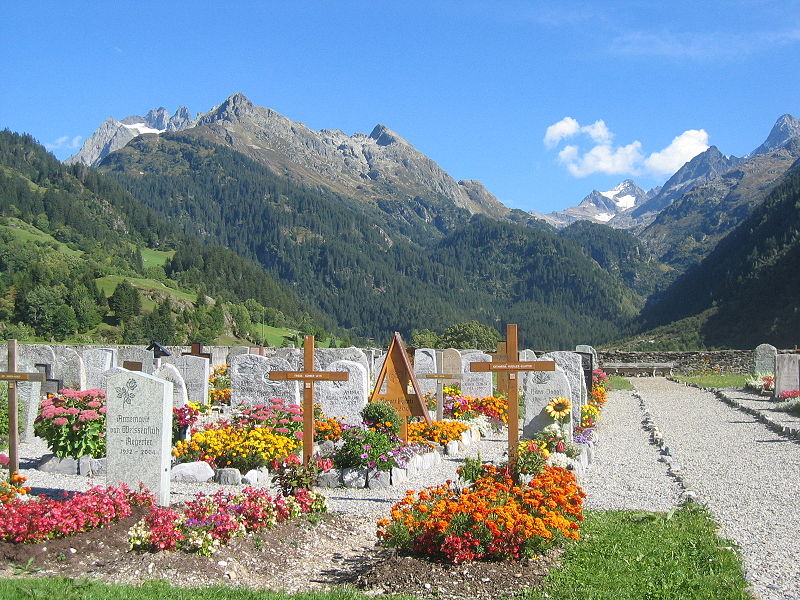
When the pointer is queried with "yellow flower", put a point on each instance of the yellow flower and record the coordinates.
(559, 408)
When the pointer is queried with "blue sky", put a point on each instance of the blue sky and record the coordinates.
(541, 101)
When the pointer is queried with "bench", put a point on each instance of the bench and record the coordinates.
(639, 369)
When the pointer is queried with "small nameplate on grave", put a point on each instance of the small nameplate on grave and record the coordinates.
(525, 365)
(308, 376)
(132, 365)
(6, 376)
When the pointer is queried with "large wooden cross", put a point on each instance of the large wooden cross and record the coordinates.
(507, 365)
(12, 377)
(308, 376)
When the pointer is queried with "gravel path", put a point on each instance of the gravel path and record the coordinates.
(626, 474)
(747, 475)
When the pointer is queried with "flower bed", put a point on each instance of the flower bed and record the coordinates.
(210, 521)
(73, 423)
(493, 519)
(40, 518)
(438, 432)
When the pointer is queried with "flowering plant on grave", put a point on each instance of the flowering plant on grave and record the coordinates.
(559, 408)
(208, 522)
(789, 394)
(42, 518)
(219, 391)
(73, 423)
(492, 519)
(11, 490)
(760, 382)
(327, 428)
(532, 457)
(552, 438)
(183, 418)
(291, 474)
(364, 448)
(599, 377)
(598, 395)
(279, 415)
(438, 432)
(589, 415)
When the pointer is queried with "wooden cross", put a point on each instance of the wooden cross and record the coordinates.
(12, 377)
(308, 376)
(398, 374)
(442, 379)
(197, 350)
(507, 365)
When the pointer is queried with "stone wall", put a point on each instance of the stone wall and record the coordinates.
(687, 363)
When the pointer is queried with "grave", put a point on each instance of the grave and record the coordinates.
(179, 394)
(787, 373)
(540, 388)
(136, 354)
(585, 348)
(572, 366)
(236, 351)
(764, 357)
(425, 364)
(251, 384)
(344, 399)
(139, 433)
(324, 357)
(473, 383)
(195, 371)
(97, 361)
(71, 369)
(26, 379)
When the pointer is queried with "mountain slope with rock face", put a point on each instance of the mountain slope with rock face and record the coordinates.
(600, 207)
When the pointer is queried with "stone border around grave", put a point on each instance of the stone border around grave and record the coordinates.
(786, 431)
(657, 439)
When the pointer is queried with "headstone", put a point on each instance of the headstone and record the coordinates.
(451, 363)
(587, 364)
(344, 399)
(523, 375)
(97, 362)
(236, 351)
(139, 433)
(787, 373)
(137, 354)
(590, 350)
(107, 375)
(425, 363)
(29, 395)
(195, 371)
(764, 357)
(293, 356)
(475, 385)
(377, 366)
(251, 385)
(572, 366)
(540, 388)
(323, 357)
(71, 369)
(43, 358)
(170, 373)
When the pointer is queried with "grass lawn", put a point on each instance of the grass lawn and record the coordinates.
(155, 258)
(109, 283)
(615, 382)
(622, 555)
(723, 380)
(629, 556)
(25, 232)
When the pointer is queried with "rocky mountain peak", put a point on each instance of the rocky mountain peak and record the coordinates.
(785, 128)
(384, 136)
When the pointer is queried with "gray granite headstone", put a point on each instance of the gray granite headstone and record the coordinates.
(236, 351)
(97, 361)
(29, 396)
(540, 388)
(293, 356)
(323, 357)
(137, 354)
(451, 363)
(522, 377)
(43, 358)
(376, 370)
(787, 373)
(195, 371)
(170, 373)
(475, 385)
(344, 399)
(251, 385)
(764, 357)
(425, 363)
(572, 366)
(139, 432)
(589, 350)
(71, 369)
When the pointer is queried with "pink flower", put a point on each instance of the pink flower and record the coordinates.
(72, 410)
(4, 460)
(94, 404)
(60, 421)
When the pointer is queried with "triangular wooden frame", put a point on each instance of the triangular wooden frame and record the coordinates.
(400, 373)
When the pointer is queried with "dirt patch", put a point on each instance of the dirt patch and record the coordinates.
(305, 554)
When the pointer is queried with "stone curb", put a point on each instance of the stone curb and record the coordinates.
(775, 426)
(657, 439)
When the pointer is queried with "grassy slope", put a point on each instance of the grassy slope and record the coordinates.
(25, 232)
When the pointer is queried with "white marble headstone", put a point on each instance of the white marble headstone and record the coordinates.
(475, 385)
(170, 373)
(572, 366)
(71, 369)
(139, 432)
(787, 373)
(764, 357)
(541, 387)
(195, 371)
(97, 361)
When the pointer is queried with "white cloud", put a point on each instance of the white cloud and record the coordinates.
(682, 149)
(65, 143)
(630, 159)
(604, 158)
(566, 127)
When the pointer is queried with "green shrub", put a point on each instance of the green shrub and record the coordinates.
(379, 415)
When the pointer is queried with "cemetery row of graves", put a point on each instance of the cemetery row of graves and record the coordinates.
(278, 423)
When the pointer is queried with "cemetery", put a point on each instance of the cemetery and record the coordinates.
(441, 473)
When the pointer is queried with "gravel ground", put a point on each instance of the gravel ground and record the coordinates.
(626, 474)
(746, 474)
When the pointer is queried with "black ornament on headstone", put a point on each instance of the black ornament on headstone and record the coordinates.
(159, 351)
(50, 385)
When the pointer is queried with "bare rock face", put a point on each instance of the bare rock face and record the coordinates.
(113, 134)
